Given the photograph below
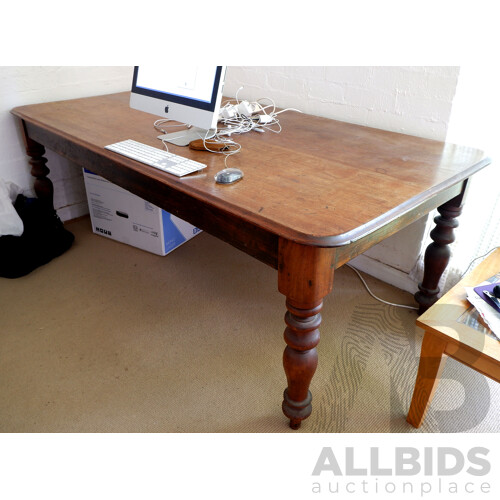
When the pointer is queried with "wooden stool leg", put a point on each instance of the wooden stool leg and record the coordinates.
(432, 361)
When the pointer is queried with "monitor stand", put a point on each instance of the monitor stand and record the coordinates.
(184, 137)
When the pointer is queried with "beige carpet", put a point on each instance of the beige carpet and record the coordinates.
(108, 338)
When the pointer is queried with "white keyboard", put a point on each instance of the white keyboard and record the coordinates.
(157, 158)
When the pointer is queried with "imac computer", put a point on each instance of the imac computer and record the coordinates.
(190, 95)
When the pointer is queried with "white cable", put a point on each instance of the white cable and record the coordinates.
(411, 307)
(378, 298)
(157, 124)
(226, 151)
(474, 260)
(161, 121)
(288, 109)
(269, 105)
(236, 122)
(236, 95)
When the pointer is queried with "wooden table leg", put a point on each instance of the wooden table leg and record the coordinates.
(305, 277)
(43, 185)
(432, 361)
(437, 254)
(300, 359)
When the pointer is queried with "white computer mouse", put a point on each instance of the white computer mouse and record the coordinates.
(228, 176)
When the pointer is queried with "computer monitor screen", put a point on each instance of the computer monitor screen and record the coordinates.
(187, 94)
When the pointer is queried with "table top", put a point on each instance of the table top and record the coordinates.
(319, 181)
(452, 318)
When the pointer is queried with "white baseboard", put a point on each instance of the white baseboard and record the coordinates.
(73, 211)
(384, 273)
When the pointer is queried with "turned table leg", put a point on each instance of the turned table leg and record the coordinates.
(437, 254)
(43, 185)
(305, 277)
(300, 359)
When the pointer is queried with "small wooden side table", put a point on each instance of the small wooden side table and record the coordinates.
(452, 329)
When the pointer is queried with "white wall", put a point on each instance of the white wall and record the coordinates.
(28, 85)
(411, 100)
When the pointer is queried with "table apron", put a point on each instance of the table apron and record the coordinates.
(245, 236)
(345, 253)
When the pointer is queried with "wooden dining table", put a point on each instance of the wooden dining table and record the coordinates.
(313, 197)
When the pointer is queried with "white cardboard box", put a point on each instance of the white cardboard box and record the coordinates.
(123, 216)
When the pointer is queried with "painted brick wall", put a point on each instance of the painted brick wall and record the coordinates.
(28, 85)
(411, 100)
